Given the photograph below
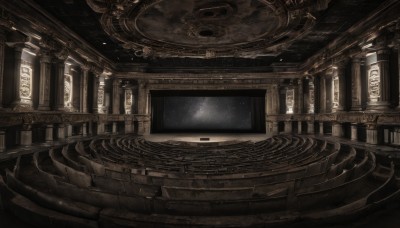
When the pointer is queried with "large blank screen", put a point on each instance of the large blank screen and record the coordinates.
(208, 111)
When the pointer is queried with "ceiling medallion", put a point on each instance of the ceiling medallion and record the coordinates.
(191, 28)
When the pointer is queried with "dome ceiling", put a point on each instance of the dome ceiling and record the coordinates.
(220, 35)
(207, 29)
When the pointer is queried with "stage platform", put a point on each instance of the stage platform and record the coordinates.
(206, 137)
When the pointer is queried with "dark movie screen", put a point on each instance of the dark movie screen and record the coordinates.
(224, 113)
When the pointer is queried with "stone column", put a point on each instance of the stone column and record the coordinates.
(129, 126)
(321, 128)
(311, 96)
(341, 75)
(23, 79)
(290, 100)
(288, 127)
(69, 130)
(116, 96)
(100, 128)
(61, 131)
(84, 89)
(274, 107)
(95, 94)
(323, 95)
(310, 127)
(337, 129)
(379, 82)
(49, 133)
(275, 128)
(2, 56)
(128, 100)
(114, 128)
(299, 96)
(275, 99)
(44, 88)
(354, 135)
(59, 101)
(84, 129)
(101, 95)
(299, 127)
(356, 86)
(372, 134)
(26, 135)
(2, 141)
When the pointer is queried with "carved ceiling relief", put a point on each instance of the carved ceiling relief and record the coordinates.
(207, 29)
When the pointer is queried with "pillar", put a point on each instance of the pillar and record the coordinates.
(59, 99)
(290, 100)
(116, 96)
(114, 128)
(275, 128)
(101, 95)
(95, 94)
(84, 89)
(341, 75)
(321, 128)
(323, 95)
(61, 131)
(310, 127)
(26, 135)
(275, 99)
(100, 128)
(69, 130)
(44, 87)
(84, 129)
(337, 129)
(372, 134)
(311, 96)
(356, 86)
(129, 126)
(2, 141)
(288, 127)
(128, 100)
(379, 82)
(2, 56)
(354, 135)
(299, 96)
(299, 127)
(49, 133)
(23, 84)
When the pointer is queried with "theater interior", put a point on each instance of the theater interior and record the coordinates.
(199, 113)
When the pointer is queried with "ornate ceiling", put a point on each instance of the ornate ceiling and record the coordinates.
(264, 35)
(207, 29)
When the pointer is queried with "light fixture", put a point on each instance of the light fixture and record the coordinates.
(104, 43)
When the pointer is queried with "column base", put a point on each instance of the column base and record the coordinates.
(337, 130)
(44, 108)
(354, 136)
(310, 128)
(49, 133)
(26, 138)
(22, 107)
(378, 106)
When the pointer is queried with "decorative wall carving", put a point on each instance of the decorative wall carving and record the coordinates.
(311, 91)
(289, 100)
(335, 92)
(25, 90)
(128, 101)
(68, 91)
(374, 83)
(100, 98)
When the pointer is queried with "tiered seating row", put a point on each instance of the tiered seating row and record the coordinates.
(130, 182)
